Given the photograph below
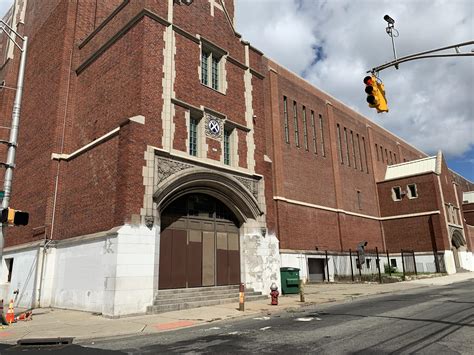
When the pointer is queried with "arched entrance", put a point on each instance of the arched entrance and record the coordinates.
(199, 243)
(457, 242)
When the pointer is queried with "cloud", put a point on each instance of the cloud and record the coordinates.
(333, 43)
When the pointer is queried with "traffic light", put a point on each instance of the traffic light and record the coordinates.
(14, 217)
(375, 94)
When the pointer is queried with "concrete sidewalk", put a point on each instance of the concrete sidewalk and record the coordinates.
(84, 326)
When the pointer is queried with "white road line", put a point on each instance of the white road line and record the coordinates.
(265, 328)
(304, 319)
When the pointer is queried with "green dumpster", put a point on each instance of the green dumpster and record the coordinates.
(290, 280)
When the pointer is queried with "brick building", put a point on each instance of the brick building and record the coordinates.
(160, 150)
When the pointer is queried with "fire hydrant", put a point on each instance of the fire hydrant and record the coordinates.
(274, 294)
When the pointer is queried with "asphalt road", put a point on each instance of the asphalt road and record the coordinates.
(434, 320)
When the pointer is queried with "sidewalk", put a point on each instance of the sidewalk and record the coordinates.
(48, 323)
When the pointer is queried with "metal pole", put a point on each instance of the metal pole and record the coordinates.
(414, 262)
(389, 265)
(352, 269)
(359, 265)
(12, 143)
(378, 264)
(327, 266)
(403, 264)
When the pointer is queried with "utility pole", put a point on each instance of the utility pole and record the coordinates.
(12, 142)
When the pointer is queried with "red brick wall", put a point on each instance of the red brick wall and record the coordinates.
(180, 127)
(426, 201)
(214, 151)
(468, 212)
(417, 233)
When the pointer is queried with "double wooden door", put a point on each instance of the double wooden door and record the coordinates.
(206, 253)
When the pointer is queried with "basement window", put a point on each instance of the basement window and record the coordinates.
(397, 193)
(9, 263)
(412, 193)
(393, 262)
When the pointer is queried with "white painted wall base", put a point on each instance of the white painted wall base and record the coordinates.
(260, 261)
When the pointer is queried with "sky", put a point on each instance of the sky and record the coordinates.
(332, 43)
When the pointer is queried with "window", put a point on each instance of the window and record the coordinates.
(359, 200)
(396, 193)
(377, 150)
(295, 119)
(193, 138)
(323, 151)
(386, 155)
(210, 68)
(285, 115)
(9, 263)
(365, 155)
(353, 150)
(412, 193)
(313, 126)
(391, 158)
(227, 147)
(346, 141)
(393, 262)
(395, 158)
(381, 153)
(360, 153)
(305, 129)
(339, 147)
(367, 262)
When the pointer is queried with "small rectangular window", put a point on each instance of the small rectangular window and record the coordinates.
(315, 140)
(295, 119)
(227, 147)
(393, 262)
(321, 128)
(367, 262)
(354, 157)
(285, 116)
(359, 200)
(339, 146)
(381, 153)
(365, 155)
(211, 67)
(9, 263)
(360, 153)
(305, 130)
(395, 158)
(377, 150)
(346, 143)
(193, 138)
(412, 192)
(397, 193)
(391, 158)
(386, 156)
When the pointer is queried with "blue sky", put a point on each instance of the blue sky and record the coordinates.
(333, 43)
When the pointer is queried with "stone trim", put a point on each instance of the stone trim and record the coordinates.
(94, 56)
(100, 140)
(104, 23)
(338, 210)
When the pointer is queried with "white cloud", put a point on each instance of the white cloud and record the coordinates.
(431, 101)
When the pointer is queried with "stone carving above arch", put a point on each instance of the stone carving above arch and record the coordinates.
(176, 178)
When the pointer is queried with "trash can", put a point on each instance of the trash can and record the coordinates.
(290, 280)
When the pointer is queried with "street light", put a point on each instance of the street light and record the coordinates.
(12, 142)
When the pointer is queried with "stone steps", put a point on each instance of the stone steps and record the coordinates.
(174, 300)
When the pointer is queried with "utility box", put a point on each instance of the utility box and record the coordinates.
(290, 280)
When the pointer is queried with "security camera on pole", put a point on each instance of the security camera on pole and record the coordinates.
(12, 142)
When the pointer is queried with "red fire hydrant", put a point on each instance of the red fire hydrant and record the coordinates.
(274, 294)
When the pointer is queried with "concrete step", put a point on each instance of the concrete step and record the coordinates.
(210, 293)
(177, 291)
(202, 297)
(188, 305)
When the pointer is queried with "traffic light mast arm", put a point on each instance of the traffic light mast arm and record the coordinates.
(426, 54)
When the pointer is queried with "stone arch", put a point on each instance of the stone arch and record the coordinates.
(457, 239)
(219, 185)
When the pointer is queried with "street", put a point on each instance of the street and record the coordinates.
(432, 320)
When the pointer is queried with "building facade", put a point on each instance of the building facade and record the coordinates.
(160, 150)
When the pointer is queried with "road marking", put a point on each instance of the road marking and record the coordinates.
(233, 333)
(265, 328)
(213, 328)
(262, 318)
(304, 319)
(318, 318)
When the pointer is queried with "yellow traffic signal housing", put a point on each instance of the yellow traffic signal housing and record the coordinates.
(14, 217)
(375, 94)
